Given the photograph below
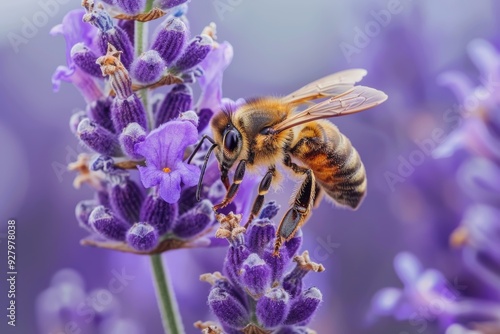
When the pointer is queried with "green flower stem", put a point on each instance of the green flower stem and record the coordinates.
(167, 302)
(141, 40)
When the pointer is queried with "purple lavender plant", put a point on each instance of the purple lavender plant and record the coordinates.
(144, 198)
(65, 306)
(427, 296)
(258, 293)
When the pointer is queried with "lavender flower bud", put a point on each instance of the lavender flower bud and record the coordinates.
(187, 200)
(103, 198)
(194, 54)
(108, 33)
(278, 264)
(195, 220)
(171, 40)
(100, 112)
(204, 117)
(292, 282)
(272, 308)
(130, 136)
(98, 138)
(158, 213)
(75, 120)
(189, 116)
(120, 40)
(304, 307)
(233, 261)
(103, 163)
(227, 308)
(142, 237)
(129, 27)
(85, 59)
(178, 100)
(148, 68)
(131, 6)
(255, 276)
(130, 110)
(259, 235)
(167, 4)
(82, 212)
(105, 223)
(270, 210)
(126, 199)
(292, 246)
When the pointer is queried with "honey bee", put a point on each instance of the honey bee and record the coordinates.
(267, 133)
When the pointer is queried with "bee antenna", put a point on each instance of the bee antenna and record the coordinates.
(203, 169)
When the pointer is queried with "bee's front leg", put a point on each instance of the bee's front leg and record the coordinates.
(233, 188)
(297, 214)
(264, 186)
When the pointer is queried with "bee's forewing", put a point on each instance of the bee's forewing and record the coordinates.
(331, 85)
(356, 99)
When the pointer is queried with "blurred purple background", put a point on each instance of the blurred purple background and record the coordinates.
(279, 46)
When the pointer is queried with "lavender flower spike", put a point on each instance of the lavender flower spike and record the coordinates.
(126, 107)
(164, 151)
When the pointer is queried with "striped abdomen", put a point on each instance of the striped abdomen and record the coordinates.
(335, 162)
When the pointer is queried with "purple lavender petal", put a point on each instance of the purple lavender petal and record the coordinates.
(142, 237)
(211, 82)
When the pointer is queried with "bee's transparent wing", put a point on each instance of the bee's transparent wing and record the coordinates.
(357, 99)
(332, 85)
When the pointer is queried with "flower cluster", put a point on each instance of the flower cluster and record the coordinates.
(427, 295)
(66, 306)
(258, 294)
(127, 129)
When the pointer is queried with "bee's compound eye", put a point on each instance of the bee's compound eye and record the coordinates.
(231, 141)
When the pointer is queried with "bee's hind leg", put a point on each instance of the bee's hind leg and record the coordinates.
(264, 186)
(301, 207)
(233, 189)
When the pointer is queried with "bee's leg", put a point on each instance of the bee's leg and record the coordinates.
(318, 195)
(233, 188)
(297, 214)
(264, 186)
